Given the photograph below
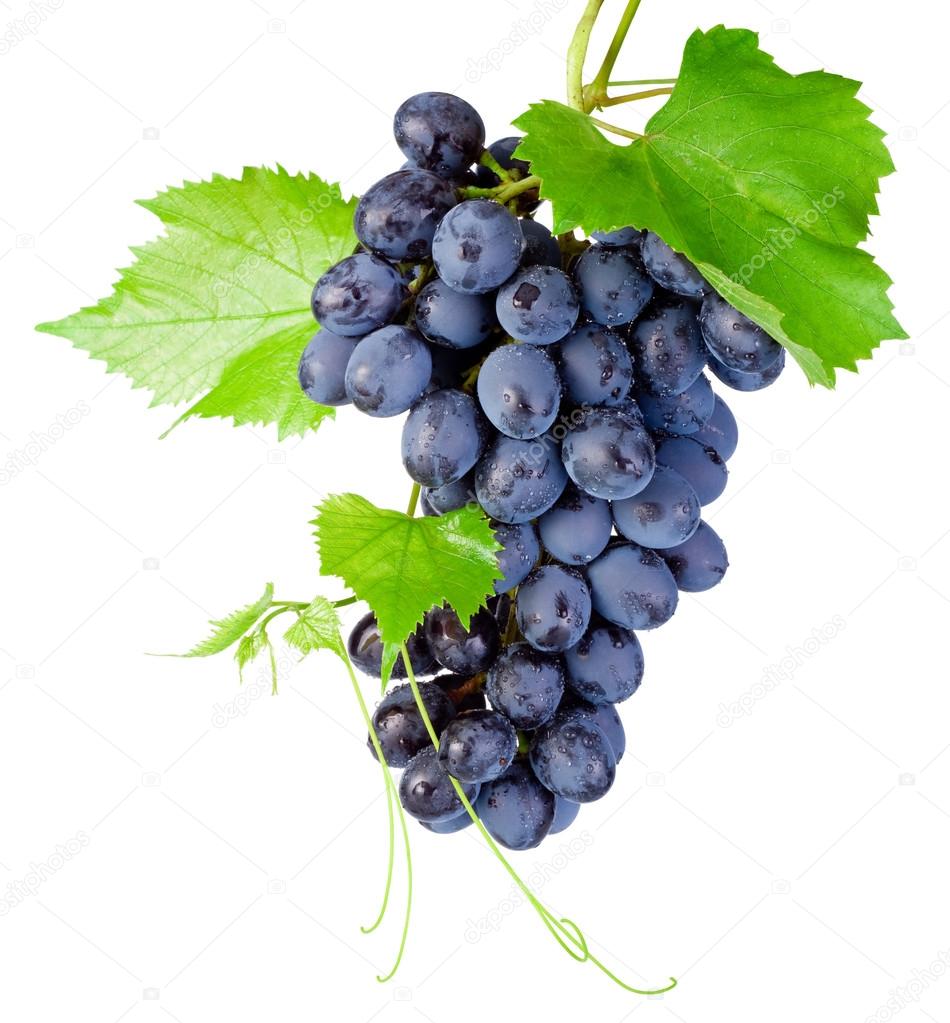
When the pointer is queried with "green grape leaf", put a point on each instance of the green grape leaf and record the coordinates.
(219, 305)
(764, 179)
(230, 629)
(248, 648)
(317, 628)
(404, 566)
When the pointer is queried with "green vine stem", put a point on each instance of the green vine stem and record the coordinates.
(577, 54)
(596, 92)
(504, 192)
(642, 81)
(630, 97)
(614, 130)
(505, 176)
(567, 934)
(413, 500)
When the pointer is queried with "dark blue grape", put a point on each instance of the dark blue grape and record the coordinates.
(365, 648)
(553, 608)
(565, 813)
(397, 217)
(608, 454)
(577, 528)
(698, 464)
(477, 247)
(606, 666)
(632, 587)
(398, 724)
(667, 346)
(459, 690)
(574, 759)
(478, 746)
(359, 294)
(721, 432)
(451, 319)
(502, 151)
(604, 715)
(748, 381)
(426, 791)
(623, 237)
(595, 366)
(442, 438)
(540, 246)
(700, 563)
(440, 132)
(519, 390)
(737, 342)
(451, 496)
(450, 827)
(684, 414)
(464, 650)
(322, 367)
(525, 685)
(518, 480)
(388, 371)
(671, 269)
(537, 305)
(665, 513)
(612, 285)
(516, 809)
(519, 554)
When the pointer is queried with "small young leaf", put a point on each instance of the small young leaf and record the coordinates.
(764, 179)
(230, 629)
(404, 566)
(220, 303)
(316, 628)
(248, 648)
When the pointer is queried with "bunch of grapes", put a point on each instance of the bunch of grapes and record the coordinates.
(560, 384)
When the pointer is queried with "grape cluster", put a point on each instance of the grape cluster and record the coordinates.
(559, 384)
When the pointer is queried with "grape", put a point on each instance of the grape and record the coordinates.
(540, 246)
(478, 746)
(604, 715)
(537, 305)
(366, 650)
(397, 217)
(565, 813)
(502, 151)
(449, 318)
(516, 809)
(665, 513)
(398, 724)
(359, 294)
(668, 347)
(525, 685)
(323, 366)
(453, 825)
(721, 432)
(477, 246)
(621, 238)
(458, 689)
(451, 496)
(440, 132)
(553, 608)
(518, 480)
(577, 528)
(574, 759)
(737, 342)
(388, 371)
(519, 554)
(612, 285)
(698, 464)
(632, 587)
(748, 381)
(671, 269)
(442, 438)
(595, 366)
(464, 651)
(608, 454)
(426, 791)
(699, 563)
(684, 414)
(519, 390)
(606, 666)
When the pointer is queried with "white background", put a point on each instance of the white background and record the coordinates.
(786, 862)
